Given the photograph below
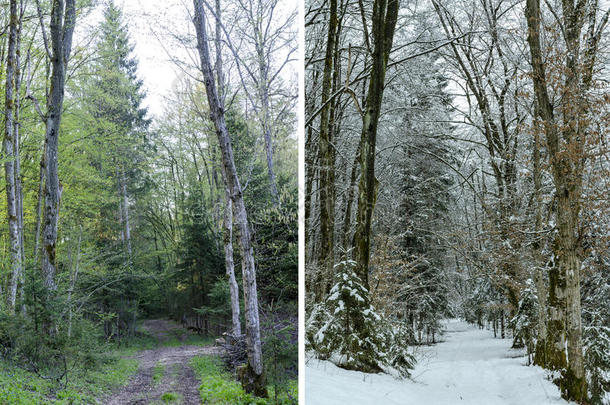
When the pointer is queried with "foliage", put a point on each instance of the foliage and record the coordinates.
(346, 329)
(280, 349)
(525, 320)
(596, 336)
(218, 387)
(85, 386)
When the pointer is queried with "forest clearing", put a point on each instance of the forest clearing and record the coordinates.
(149, 183)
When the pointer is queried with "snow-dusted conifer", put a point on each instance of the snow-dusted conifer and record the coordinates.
(526, 318)
(346, 329)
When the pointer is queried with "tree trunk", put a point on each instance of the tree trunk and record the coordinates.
(125, 208)
(254, 369)
(385, 13)
(566, 156)
(228, 208)
(230, 268)
(10, 155)
(326, 198)
(347, 219)
(62, 28)
(40, 203)
(17, 151)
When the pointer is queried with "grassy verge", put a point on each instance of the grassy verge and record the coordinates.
(220, 388)
(18, 386)
(109, 372)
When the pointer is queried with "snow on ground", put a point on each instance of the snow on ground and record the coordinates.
(470, 367)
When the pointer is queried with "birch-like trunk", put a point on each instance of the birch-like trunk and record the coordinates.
(253, 379)
(228, 208)
(17, 151)
(10, 155)
(229, 264)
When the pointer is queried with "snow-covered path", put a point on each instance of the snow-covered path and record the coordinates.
(470, 367)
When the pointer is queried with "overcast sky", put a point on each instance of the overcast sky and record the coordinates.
(148, 22)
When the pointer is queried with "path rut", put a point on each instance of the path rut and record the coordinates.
(178, 377)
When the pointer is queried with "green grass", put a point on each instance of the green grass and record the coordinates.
(110, 371)
(170, 397)
(218, 386)
(18, 386)
(158, 372)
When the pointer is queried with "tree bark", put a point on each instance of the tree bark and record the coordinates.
(63, 18)
(228, 208)
(230, 267)
(385, 14)
(10, 155)
(326, 198)
(566, 155)
(253, 340)
(17, 151)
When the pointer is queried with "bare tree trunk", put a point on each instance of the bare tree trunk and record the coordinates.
(40, 203)
(228, 209)
(325, 157)
(566, 156)
(347, 219)
(253, 377)
(385, 14)
(63, 18)
(230, 267)
(17, 151)
(541, 288)
(10, 156)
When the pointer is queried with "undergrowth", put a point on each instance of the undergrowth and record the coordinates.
(218, 387)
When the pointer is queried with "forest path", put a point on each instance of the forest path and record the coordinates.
(469, 367)
(164, 369)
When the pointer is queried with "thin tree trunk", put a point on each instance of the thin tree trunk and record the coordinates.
(253, 377)
(385, 13)
(17, 150)
(541, 288)
(230, 267)
(10, 156)
(326, 198)
(40, 203)
(228, 209)
(347, 219)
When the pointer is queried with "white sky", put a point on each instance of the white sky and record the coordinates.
(150, 21)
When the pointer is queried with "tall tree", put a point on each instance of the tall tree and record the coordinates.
(63, 20)
(10, 154)
(327, 165)
(253, 377)
(567, 131)
(385, 15)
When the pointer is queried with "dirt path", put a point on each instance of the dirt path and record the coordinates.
(170, 362)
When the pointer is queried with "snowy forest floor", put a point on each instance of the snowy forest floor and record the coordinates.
(164, 373)
(468, 367)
